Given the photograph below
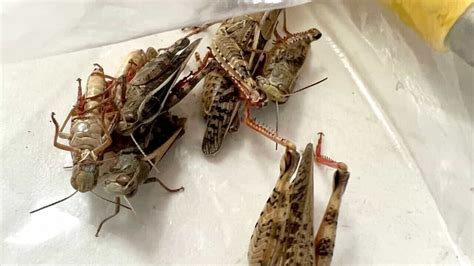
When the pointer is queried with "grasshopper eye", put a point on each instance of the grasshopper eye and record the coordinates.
(129, 117)
(123, 180)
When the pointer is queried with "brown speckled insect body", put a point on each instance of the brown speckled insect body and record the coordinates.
(283, 234)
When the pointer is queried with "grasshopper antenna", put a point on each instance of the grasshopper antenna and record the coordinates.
(117, 210)
(154, 167)
(130, 204)
(54, 203)
(277, 118)
(304, 88)
(114, 202)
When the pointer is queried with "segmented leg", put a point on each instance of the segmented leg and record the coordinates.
(80, 98)
(107, 142)
(183, 87)
(117, 210)
(285, 29)
(322, 159)
(62, 134)
(156, 179)
(266, 131)
(56, 135)
(276, 34)
(325, 239)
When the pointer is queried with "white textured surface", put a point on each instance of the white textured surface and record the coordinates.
(388, 214)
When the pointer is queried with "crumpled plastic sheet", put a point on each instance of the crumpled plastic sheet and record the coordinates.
(34, 29)
(395, 112)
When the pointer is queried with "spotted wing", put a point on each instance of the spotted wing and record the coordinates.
(267, 241)
(221, 111)
(298, 245)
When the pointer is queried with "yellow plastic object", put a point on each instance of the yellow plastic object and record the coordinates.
(431, 18)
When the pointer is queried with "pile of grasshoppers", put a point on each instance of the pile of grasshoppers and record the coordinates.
(283, 234)
(127, 116)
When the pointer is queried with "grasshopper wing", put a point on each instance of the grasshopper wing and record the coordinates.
(222, 111)
(158, 65)
(299, 249)
(267, 241)
(154, 102)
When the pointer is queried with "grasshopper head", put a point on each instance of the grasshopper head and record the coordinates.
(274, 92)
(182, 43)
(84, 177)
(314, 34)
(128, 123)
(125, 175)
(121, 184)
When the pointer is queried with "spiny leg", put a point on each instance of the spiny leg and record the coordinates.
(322, 159)
(117, 210)
(266, 131)
(107, 142)
(325, 240)
(184, 86)
(56, 135)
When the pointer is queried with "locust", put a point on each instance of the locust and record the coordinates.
(229, 55)
(283, 63)
(221, 98)
(130, 168)
(96, 114)
(93, 119)
(89, 135)
(284, 234)
(225, 89)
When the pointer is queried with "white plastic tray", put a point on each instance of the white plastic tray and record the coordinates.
(388, 214)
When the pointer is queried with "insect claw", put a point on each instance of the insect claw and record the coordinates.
(98, 66)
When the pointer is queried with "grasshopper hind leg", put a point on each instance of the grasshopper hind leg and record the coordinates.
(322, 159)
(253, 124)
(117, 210)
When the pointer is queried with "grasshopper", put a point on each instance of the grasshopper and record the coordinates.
(221, 96)
(130, 169)
(94, 117)
(283, 234)
(239, 80)
(284, 61)
(89, 135)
